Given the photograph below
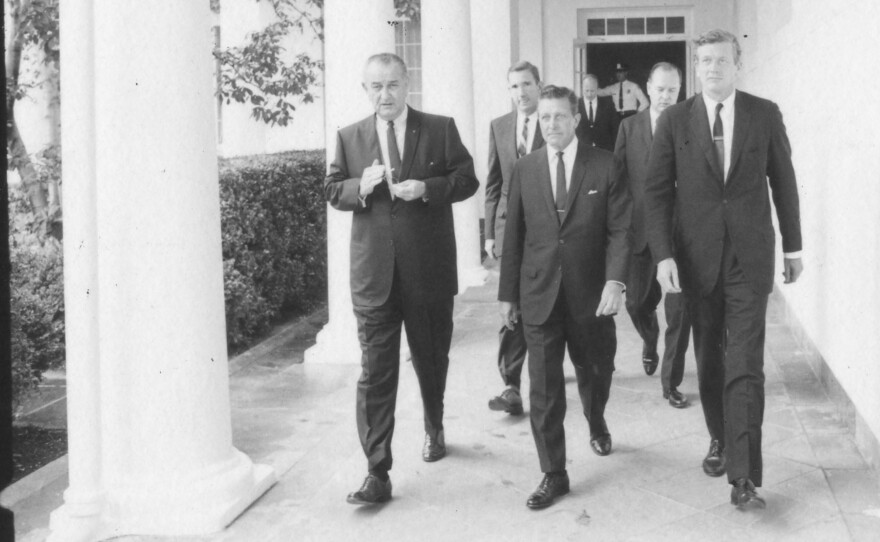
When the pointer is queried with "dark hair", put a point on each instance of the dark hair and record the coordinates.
(388, 58)
(719, 36)
(524, 65)
(552, 92)
(666, 66)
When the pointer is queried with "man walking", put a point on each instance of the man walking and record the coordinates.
(566, 252)
(399, 171)
(599, 121)
(643, 293)
(711, 160)
(511, 137)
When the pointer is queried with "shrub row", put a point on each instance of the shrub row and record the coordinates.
(274, 259)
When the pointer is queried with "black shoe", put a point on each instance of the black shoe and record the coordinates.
(649, 362)
(601, 445)
(744, 496)
(714, 464)
(373, 491)
(434, 448)
(509, 401)
(553, 485)
(676, 398)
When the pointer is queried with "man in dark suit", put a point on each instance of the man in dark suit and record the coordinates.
(511, 137)
(643, 290)
(599, 121)
(711, 160)
(399, 171)
(566, 252)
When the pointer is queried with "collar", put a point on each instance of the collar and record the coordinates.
(569, 150)
(398, 122)
(728, 102)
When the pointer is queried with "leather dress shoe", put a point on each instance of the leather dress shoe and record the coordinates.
(373, 491)
(601, 445)
(744, 496)
(509, 401)
(553, 485)
(649, 362)
(676, 398)
(434, 448)
(714, 464)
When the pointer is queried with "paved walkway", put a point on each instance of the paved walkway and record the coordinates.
(300, 419)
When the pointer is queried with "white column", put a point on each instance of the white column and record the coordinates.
(447, 89)
(166, 461)
(79, 519)
(355, 31)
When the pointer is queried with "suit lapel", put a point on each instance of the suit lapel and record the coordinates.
(699, 122)
(538, 142)
(510, 136)
(646, 136)
(411, 141)
(544, 186)
(741, 120)
(578, 172)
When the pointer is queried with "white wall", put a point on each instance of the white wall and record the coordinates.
(795, 49)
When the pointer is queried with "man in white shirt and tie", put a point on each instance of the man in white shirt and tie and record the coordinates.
(599, 121)
(566, 256)
(511, 137)
(643, 290)
(627, 96)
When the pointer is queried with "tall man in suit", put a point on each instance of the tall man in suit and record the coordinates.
(511, 137)
(398, 171)
(566, 252)
(711, 160)
(599, 121)
(643, 290)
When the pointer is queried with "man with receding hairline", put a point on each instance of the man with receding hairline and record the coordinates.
(599, 121)
(399, 171)
(566, 254)
(714, 160)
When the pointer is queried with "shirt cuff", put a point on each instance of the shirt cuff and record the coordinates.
(622, 285)
(792, 255)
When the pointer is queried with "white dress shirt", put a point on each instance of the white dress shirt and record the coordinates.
(569, 153)
(654, 116)
(399, 134)
(595, 102)
(533, 123)
(633, 97)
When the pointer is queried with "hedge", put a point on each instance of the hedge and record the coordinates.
(274, 259)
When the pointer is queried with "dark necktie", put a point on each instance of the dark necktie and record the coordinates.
(393, 153)
(561, 192)
(521, 148)
(718, 138)
(590, 112)
(620, 98)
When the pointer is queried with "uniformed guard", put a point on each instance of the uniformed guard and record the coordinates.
(627, 96)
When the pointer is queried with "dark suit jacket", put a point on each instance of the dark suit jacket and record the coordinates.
(502, 156)
(590, 247)
(606, 121)
(709, 209)
(415, 239)
(631, 158)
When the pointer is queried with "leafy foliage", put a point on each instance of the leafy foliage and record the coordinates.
(257, 73)
(408, 9)
(274, 239)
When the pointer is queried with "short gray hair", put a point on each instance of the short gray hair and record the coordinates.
(388, 59)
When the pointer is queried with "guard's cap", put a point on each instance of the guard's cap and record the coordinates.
(622, 67)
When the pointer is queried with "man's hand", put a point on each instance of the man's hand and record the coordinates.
(371, 176)
(793, 269)
(489, 247)
(509, 314)
(667, 276)
(409, 189)
(612, 299)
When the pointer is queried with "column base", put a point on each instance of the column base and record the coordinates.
(195, 505)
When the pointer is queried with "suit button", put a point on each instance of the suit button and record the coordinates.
(562, 241)
(724, 202)
(393, 216)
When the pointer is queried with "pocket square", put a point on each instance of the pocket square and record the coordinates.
(591, 192)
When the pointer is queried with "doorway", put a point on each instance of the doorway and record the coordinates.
(601, 59)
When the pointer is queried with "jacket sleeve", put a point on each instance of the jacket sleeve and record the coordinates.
(493, 187)
(783, 183)
(461, 181)
(514, 239)
(619, 221)
(660, 191)
(340, 189)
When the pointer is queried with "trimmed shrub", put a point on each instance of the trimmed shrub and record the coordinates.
(274, 239)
